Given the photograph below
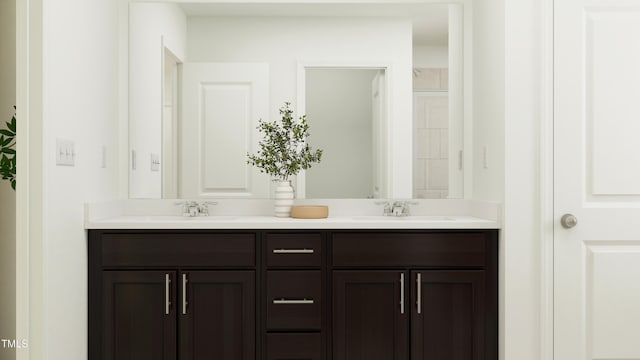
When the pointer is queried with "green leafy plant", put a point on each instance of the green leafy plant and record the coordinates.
(283, 151)
(8, 152)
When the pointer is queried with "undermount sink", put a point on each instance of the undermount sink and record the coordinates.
(172, 218)
(425, 218)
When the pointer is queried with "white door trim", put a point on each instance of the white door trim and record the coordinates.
(546, 181)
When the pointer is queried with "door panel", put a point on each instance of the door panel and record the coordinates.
(218, 321)
(367, 319)
(136, 322)
(597, 178)
(450, 322)
(221, 106)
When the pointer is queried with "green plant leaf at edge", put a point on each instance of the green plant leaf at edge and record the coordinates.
(7, 133)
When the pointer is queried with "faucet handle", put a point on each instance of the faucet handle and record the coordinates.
(387, 206)
(405, 206)
(185, 207)
(203, 207)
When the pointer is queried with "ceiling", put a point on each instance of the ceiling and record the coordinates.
(430, 21)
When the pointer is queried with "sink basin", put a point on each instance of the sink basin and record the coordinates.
(174, 218)
(424, 218)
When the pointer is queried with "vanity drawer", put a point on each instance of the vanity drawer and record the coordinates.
(447, 248)
(294, 346)
(294, 300)
(178, 249)
(299, 249)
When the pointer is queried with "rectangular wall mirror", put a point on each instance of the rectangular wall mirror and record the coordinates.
(382, 85)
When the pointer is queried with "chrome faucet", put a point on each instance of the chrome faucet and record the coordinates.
(194, 208)
(399, 208)
(396, 207)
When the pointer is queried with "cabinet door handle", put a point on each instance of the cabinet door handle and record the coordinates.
(401, 293)
(293, 251)
(293, 301)
(167, 301)
(184, 294)
(419, 297)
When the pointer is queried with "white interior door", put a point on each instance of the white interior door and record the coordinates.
(221, 104)
(597, 179)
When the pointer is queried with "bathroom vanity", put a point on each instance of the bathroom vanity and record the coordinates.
(284, 290)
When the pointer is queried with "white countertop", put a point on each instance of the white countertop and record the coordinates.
(271, 222)
(344, 214)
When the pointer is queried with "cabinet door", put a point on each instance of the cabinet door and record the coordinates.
(217, 315)
(139, 316)
(369, 319)
(448, 315)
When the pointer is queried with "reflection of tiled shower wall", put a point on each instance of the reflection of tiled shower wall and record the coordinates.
(431, 164)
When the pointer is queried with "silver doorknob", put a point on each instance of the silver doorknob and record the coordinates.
(568, 221)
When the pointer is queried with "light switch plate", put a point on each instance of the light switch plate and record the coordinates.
(155, 162)
(65, 152)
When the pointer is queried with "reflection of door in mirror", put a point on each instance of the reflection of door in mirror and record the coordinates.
(170, 125)
(221, 105)
(157, 38)
(346, 112)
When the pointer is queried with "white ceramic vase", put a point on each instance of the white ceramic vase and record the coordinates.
(284, 198)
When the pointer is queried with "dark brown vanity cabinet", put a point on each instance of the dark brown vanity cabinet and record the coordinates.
(293, 294)
(172, 295)
(414, 295)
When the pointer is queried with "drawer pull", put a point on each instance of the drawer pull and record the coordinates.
(419, 299)
(293, 301)
(184, 294)
(167, 302)
(293, 251)
(401, 293)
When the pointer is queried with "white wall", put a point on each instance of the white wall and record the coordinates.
(339, 113)
(7, 195)
(430, 56)
(79, 102)
(526, 271)
(488, 132)
(284, 42)
(508, 77)
(152, 26)
(488, 99)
